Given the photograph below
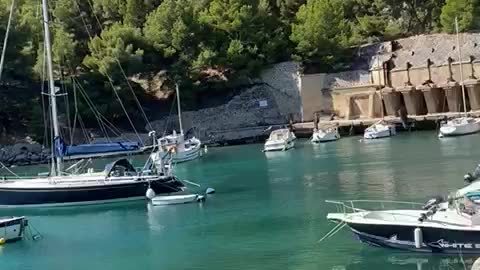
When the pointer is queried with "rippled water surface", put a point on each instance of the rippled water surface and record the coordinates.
(268, 213)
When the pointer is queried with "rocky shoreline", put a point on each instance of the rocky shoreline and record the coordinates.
(23, 154)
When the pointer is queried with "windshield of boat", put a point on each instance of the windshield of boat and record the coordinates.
(120, 168)
(469, 203)
(280, 134)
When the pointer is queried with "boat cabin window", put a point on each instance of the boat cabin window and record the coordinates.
(120, 168)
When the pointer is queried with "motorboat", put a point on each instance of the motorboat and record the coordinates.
(325, 135)
(280, 140)
(381, 129)
(12, 229)
(176, 199)
(449, 225)
(174, 145)
(460, 126)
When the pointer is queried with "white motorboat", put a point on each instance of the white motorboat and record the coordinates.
(381, 129)
(179, 149)
(12, 229)
(175, 145)
(460, 126)
(447, 226)
(176, 199)
(325, 135)
(280, 140)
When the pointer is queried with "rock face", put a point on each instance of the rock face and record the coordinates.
(23, 154)
(272, 100)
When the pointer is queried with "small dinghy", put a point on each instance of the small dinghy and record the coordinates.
(176, 199)
(12, 229)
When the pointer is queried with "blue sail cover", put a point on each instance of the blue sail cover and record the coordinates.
(100, 148)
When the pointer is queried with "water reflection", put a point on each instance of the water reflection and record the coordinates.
(405, 261)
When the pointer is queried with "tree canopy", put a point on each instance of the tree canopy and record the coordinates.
(210, 44)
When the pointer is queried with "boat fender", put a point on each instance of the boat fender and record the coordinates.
(210, 191)
(417, 235)
(476, 264)
(468, 178)
(205, 149)
(150, 193)
(2, 241)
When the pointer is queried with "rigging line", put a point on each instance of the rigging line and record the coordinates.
(95, 111)
(170, 114)
(109, 78)
(97, 114)
(97, 118)
(5, 41)
(82, 126)
(65, 100)
(121, 69)
(8, 170)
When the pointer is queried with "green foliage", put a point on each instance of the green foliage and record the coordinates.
(207, 45)
(467, 12)
(320, 31)
(118, 44)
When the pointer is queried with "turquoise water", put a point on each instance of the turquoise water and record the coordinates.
(268, 213)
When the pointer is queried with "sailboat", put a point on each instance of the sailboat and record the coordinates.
(380, 129)
(174, 145)
(461, 125)
(119, 180)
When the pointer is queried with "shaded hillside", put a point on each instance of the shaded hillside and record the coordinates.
(212, 48)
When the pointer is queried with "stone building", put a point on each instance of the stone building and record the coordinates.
(420, 73)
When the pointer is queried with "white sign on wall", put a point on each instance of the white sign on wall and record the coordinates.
(263, 103)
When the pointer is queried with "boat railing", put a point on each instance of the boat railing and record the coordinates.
(353, 206)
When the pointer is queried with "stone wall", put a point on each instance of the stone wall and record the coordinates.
(317, 95)
(273, 99)
(427, 57)
(260, 105)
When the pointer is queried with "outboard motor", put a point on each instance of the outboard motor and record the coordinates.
(469, 177)
(433, 202)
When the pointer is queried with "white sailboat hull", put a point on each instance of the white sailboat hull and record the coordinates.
(460, 126)
(320, 136)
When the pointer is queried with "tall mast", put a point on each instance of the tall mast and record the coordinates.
(5, 41)
(461, 68)
(51, 85)
(179, 109)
